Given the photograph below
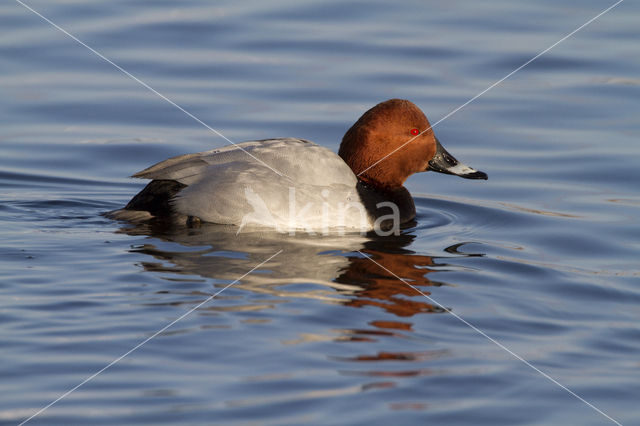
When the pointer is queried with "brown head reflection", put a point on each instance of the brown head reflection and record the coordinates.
(382, 289)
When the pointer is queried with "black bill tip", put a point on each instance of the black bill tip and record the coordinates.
(476, 175)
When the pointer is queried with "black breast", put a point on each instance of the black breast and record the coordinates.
(401, 197)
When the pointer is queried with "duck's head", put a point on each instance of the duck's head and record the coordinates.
(394, 140)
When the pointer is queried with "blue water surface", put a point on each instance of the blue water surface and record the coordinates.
(530, 280)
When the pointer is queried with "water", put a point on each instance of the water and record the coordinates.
(542, 257)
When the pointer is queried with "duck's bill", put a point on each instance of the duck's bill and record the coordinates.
(443, 162)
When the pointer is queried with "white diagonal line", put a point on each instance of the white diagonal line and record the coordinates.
(115, 361)
(500, 345)
(136, 79)
(494, 84)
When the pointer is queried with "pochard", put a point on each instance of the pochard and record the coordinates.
(292, 184)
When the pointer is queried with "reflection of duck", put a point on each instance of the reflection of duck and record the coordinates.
(354, 189)
(383, 288)
(307, 293)
(327, 264)
(326, 269)
(217, 252)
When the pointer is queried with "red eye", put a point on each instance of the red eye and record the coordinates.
(415, 132)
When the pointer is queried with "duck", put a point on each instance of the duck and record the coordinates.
(289, 184)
